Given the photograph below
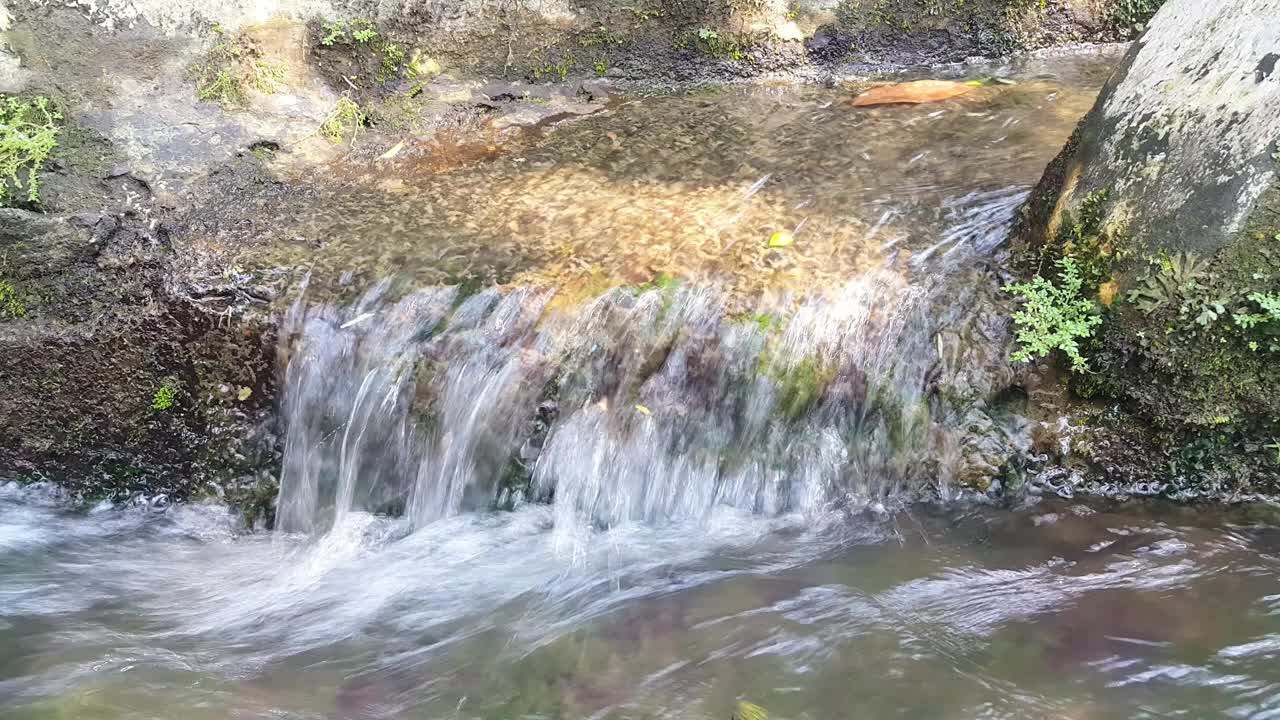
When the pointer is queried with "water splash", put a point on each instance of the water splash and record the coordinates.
(640, 406)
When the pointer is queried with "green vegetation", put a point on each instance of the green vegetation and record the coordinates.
(12, 305)
(1054, 316)
(1182, 290)
(232, 65)
(800, 385)
(598, 36)
(166, 395)
(221, 87)
(343, 121)
(28, 134)
(1266, 322)
(1134, 13)
(268, 77)
(721, 46)
(560, 69)
(341, 31)
(602, 66)
(392, 58)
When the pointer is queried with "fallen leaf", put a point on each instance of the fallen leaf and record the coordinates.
(244, 393)
(750, 711)
(1107, 292)
(910, 93)
(644, 410)
(394, 151)
(781, 239)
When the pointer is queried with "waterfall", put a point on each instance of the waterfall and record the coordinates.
(640, 405)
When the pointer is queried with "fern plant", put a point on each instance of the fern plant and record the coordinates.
(1177, 279)
(1054, 316)
(28, 134)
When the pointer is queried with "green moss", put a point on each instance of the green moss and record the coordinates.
(800, 385)
(231, 66)
(344, 121)
(12, 304)
(598, 36)
(268, 77)
(730, 46)
(555, 69)
(29, 132)
(165, 397)
(393, 57)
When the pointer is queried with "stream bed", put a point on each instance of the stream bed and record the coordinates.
(719, 508)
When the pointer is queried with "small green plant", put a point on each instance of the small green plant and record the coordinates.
(1267, 321)
(166, 395)
(268, 77)
(346, 118)
(559, 69)
(1175, 280)
(1054, 316)
(12, 306)
(363, 31)
(730, 46)
(602, 66)
(222, 87)
(392, 58)
(28, 134)
(340, 31)
(333, 32)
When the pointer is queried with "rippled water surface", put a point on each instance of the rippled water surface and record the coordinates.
(692, 185)
(1051, 611)
(711, 526)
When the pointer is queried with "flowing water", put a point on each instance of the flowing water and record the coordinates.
(667, 498)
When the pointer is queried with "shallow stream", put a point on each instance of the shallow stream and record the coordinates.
(717, 500)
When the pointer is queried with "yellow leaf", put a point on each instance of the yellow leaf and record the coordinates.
(644, 410)
(750, 711)
(244, 393)
(394, 151)
(782, 239)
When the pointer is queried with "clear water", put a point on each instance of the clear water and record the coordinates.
(1050, 611)
(654, 579)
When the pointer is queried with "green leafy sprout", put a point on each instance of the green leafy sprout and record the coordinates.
(28, 133)
(1054, 316)
(165, 396)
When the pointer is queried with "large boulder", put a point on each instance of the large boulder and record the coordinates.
(1168, 200)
